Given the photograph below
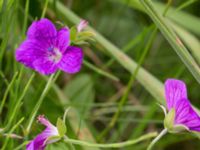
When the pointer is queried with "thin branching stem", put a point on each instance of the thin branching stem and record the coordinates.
(162, 133)
(111, 145)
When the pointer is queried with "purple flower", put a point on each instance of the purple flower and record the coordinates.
(46, 49)
(42, 139)
(176, 98)
(82, 25)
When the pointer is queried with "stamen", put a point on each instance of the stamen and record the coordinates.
(55, 54)
(50, 48)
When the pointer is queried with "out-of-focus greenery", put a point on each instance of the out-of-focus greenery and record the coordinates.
(94, 95)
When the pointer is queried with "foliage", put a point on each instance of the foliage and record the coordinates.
(123, 72)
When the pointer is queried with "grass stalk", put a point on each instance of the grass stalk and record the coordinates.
(17, 105)
(128, 88)
(173, 39)
(7, 92)
(12, 130)
(39, 103)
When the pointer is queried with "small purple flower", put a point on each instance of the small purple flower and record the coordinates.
(82, 25)
(46, 49)
(176, 98)
(42, 139)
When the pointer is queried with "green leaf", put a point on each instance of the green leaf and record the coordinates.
(81, 92)
(189, 40)
(173, 39)
(61, 127)
(182, 18)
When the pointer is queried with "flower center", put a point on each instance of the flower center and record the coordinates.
(54, 54)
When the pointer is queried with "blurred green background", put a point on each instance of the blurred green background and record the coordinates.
(93, 95)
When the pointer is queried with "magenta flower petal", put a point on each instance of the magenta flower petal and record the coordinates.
(176, 97)
(42, 29)
(38, 143)
(41, 140)
(63, 39)
(24, 53)
(45, 66)
(186, 115)
(72, 60)
(175, 90)
(30, 146)
(29, 51)
(196, 129)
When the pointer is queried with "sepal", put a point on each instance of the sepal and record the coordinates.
(73, 34)
(61, 127)
(80, 38)
(171, 126)
(169, 120)
(178, 129)
(52, 139)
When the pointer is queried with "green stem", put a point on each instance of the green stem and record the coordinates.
(21, 145)
(162, 133)
(25, 17)
(70, 144)
(4, 78)
(185, 4)
(111, 145)
(65, 114)
(7, 91)
(39, 102)
(45, 8)
(167, 7)
(17, 105)
(12, 129)
(100, 71)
